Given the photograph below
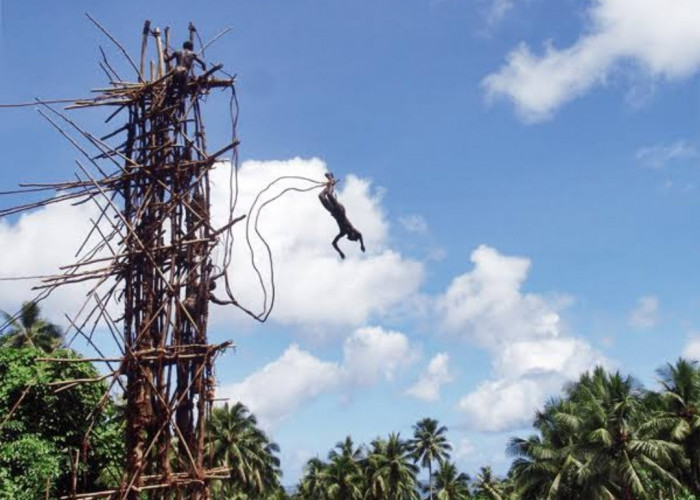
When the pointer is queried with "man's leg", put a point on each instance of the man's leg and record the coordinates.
(362, 242)
(335, 245)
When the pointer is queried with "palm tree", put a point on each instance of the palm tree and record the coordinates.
(429, 444)
(679, 419)
(393, 474)
(346, 448)
(376, 488)
(237, 442)
(312, 484)
(615, 451)
(29, 330)
(487, 485)
(343, 476)
(451, 484)
(545, 465)
(270, 469)
(603, 441)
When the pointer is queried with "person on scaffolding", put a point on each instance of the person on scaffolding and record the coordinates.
(337, 211)
(184, 60)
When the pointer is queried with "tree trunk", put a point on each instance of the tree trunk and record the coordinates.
(694, 469)
(430, 479)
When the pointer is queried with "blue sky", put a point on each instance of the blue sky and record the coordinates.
(525, 173)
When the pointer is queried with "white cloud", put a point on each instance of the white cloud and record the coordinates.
(692, 348)
(661, 155)
(504, 404)
(563, 355)
(487, 305)
(526, 375)
(280, 387)
(531, 354)
(659, 37)
(370, 354)
(646, 313)
(313, 285)
(509, 402)
(414, 224)
(427, 387)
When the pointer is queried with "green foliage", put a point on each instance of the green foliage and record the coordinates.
(450, 484)
(343, 475)
(28, 464)
(236, 441)
(605, 438)
(611, 439)
(45, 429)
(393, 474)
(384, 470)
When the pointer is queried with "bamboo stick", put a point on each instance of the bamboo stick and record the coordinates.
(115, 42)
(78, 360)
(144, 43)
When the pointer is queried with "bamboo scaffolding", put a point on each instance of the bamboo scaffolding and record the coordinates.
(150, 248)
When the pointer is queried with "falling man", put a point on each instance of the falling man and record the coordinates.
(331, 203)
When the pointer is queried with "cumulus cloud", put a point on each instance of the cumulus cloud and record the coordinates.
(313, 285)
(646, 313)
(504, 404)
(280, 387)
(692, 348)
(428, 385)
(487, 305)
(662, 155)
(657, 37)
(562, 355)
(531, 354)
(370, 354)
(525, 377)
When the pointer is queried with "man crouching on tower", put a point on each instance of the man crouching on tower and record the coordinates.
(331, 203)
(184, 60)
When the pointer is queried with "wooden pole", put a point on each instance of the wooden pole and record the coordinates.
(159, 49)
(144, 46)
